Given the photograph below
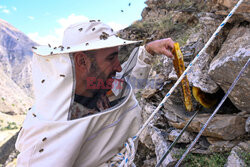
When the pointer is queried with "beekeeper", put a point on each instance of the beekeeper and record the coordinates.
(85, 108)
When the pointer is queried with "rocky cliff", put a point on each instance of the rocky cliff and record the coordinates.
(15, 70)
(15, 55)
(191, 23)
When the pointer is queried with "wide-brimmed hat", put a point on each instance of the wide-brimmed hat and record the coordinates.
(84, 36)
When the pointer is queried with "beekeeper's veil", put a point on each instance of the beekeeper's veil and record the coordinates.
(49, 137)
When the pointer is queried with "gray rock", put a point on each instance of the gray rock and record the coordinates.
(245, 146)
(150, 162)
(7, 148)
(145, 138)
(243, 8)
(222, 126)
(220, 145)
(198, 76)
(186, 137)
(247, 127)
(234, 159)
(161, 146)
(174, 112)
(226, 65)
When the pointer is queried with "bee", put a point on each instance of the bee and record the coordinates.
(122, 11)
(51, 53)
(129, 4)
(104, 33)
(68, 47)
(29, 108)
(93, 29)
(61, 75)
(34, 115)
(41, 150)
(87, 44)
(55, 47)
(98, 20)
(112, 30)
(44, 139)
(33, 47)
(80, 29)
(62, 48)
(43, 81)
(91, 20)
(49, 45)
(124, 42)
(104, 36)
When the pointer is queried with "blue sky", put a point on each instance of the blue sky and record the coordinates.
(44, 20)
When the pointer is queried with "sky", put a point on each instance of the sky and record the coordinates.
(44, 21)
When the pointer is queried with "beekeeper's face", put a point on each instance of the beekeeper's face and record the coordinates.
(95, 69)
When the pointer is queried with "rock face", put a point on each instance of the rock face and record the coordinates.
(12, 97)
(247, 127)
(15, 55)
(244, 8)
(160, 147)
(235, 157)
(185, 138)
(226, 127)
(7, 148)
(191, 24)
(220, 145)
(226, 65)
(15, 69)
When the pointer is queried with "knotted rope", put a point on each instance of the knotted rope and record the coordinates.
(126, 157)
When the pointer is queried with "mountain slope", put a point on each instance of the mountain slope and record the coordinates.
(15, 55)
(12, 98)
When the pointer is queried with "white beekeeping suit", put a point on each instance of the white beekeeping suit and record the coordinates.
(48, 137)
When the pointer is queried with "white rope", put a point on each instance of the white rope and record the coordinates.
(126, 157)
(179, 80)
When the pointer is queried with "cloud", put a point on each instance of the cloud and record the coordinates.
(65, 22)
(2, 7)
(14, 8)
(31, 17)
(44, 40)
(55, 37)
(6, 11)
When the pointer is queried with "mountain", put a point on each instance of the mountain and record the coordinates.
(16, 88)
(13, 99)
(15, 56)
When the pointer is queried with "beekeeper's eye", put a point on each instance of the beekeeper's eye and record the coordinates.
(112, 56)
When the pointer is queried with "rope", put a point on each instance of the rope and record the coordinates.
(126, 157)
(211, 117)
(183, 75)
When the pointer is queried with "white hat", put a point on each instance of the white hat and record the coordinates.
(84, 36)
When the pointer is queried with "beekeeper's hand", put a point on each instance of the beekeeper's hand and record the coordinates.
(162, 46)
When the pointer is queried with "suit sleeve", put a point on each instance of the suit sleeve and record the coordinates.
(139, 74)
